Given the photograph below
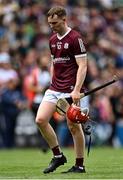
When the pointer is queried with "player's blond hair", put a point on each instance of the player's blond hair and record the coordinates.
(58, 10)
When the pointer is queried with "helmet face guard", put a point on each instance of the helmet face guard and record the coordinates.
(77, 115)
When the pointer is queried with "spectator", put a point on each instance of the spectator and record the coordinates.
(12, 102)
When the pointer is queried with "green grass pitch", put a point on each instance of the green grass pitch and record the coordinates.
(103, 163)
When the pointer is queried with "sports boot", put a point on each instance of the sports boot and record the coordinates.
(55, 163)
(75, 169)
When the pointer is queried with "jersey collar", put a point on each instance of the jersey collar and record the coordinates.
(61, 37)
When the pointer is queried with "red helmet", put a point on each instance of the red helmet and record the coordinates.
(76, 114)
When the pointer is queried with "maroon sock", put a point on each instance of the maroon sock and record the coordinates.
(56, 151)
(79, 162)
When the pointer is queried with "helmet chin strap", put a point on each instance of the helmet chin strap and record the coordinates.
(85, 111)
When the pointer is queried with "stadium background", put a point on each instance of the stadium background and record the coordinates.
(24, 68)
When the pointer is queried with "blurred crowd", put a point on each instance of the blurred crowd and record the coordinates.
(25, 65)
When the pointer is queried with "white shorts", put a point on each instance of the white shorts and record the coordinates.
(54, 96)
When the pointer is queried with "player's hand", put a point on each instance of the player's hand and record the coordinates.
(75, 96)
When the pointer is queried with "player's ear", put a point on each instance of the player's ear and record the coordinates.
(64, 19)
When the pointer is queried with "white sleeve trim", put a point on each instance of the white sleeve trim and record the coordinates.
(81, 55)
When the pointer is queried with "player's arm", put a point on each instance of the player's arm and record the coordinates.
(51, 64)
(51, 67)
(80, 77)
(81, 60)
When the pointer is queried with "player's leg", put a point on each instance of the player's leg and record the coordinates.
(45, 112)
(79, 146)
(79, 141)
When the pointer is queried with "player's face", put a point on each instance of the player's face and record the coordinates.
(56, 23)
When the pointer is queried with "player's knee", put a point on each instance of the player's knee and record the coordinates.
(40, 121)
(73, 129)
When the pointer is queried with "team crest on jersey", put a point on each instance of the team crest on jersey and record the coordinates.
(71, 87)
(66, 46)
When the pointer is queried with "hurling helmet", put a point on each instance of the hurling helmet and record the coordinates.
(77, 115)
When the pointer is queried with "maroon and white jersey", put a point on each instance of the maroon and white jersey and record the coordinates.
(64, 51)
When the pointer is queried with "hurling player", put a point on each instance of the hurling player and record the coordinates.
(68, 72)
